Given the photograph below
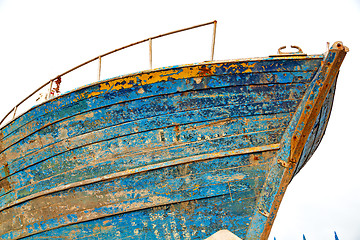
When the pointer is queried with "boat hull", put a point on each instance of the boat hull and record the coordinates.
(175, 153)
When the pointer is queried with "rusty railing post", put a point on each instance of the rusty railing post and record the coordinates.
(113, 51)
(48, 96)
(213, 42)
(150, 52)
(99, 72)
(15, 108)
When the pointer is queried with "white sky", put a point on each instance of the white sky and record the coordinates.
(41, 39)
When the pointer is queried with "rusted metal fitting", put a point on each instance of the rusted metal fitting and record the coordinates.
(293, 46)
(264, 212)
(340, 46)
(284, 54)
(283, 163)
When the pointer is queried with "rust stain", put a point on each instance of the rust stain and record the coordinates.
(4, 183)
(205, 71)
(177, 133)
(6, 169)
(254, 158)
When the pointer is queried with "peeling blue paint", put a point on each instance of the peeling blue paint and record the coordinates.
(174, 153)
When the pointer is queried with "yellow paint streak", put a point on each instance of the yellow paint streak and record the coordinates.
(86, 95)
(93, 94)
(154, 77)
(146, 78)
(248, 66)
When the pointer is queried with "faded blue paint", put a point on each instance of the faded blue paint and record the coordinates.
(146, 131)
(318, 130)
(278, 177)
(71, 108)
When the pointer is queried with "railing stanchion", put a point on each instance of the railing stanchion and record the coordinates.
(213, 41)
(48, 96)
(99, 68)
(108, 53)
(15, 108)
(150, 52)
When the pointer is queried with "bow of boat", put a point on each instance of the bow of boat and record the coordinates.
(179, 152)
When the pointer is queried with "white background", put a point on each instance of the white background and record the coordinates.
(41, 39)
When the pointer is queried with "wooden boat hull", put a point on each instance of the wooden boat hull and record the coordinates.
(174, 153)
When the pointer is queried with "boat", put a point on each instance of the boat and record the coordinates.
(195, 151)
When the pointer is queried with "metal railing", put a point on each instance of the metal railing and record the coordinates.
(50, 82)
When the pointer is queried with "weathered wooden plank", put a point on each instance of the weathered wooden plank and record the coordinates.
(161, 102)
(86, 149)
(172, 74)
(80, 215)
(149, 179)
(154, 77)
(108, 161)
(165, 166)
(94, 120)
(127, 205)
(231, 111)
(57, 171)
(129, 200)
(318, 130)
(245, 124)
(206, 111)
(59, 159)
(153, 226)
(39, 173)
